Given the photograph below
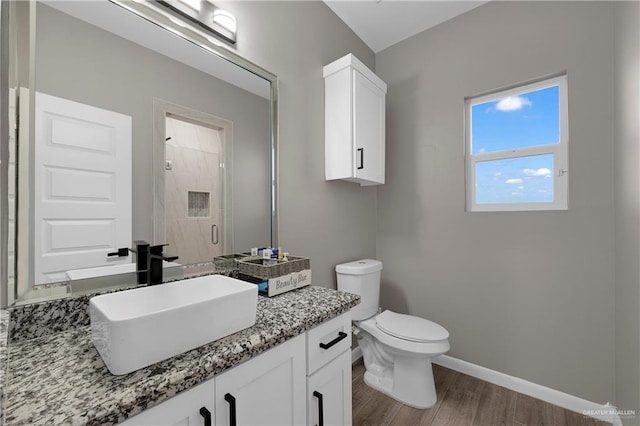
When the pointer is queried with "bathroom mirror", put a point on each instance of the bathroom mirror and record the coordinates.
(133, 125)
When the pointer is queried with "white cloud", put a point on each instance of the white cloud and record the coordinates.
(543, 171)
(497, 174)
(513, 181)
(512, 103)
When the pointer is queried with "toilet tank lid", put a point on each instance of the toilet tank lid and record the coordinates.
(359, 267)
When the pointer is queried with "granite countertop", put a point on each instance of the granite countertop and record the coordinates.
(61, 379)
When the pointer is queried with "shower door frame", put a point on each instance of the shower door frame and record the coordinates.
(162, 109)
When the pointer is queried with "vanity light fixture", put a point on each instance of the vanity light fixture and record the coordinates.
(178, 22)
(225, 19)
(205, 15)
(193, 4)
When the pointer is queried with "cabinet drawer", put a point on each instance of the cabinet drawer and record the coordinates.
(326, 341)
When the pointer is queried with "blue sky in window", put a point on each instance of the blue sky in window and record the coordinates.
(515, 180)
(526, 120)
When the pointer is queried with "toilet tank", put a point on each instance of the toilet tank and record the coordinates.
(361, 277)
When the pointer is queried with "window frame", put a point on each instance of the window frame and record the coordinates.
(558, 150)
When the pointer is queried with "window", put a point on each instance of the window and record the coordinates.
(516, 148)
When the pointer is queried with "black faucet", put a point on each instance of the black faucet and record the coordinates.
(142, 261)
(142, 256)
(156, 257)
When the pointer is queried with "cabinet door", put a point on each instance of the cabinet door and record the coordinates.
(183, 409)
(368, 130)
(267, 390)
(329, 393)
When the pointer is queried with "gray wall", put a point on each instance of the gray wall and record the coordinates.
(332, 222)
(530, 294)
(627, 205)
(92, 66)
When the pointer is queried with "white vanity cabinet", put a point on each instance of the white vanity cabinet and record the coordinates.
(278, 387)
(192, 407)
(329, 373)
(267, 390)
(354, 122)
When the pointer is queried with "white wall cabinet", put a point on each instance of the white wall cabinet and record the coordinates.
(354, 122)
(279, 387)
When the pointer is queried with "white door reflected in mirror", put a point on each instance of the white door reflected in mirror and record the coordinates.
(82, 187)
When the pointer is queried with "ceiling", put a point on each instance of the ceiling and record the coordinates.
(382, 23)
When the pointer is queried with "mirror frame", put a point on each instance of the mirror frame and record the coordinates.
(159, 16)
(4, 152)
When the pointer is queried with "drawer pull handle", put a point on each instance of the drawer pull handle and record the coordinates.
(361, 151)
(207, 416)
(232, 408)
(341, 336)
(320, 411)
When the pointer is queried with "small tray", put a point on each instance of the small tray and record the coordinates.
(275, 277)
(228, 261)
(265, 268)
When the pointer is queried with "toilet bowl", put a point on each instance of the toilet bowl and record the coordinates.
(400, 366)
(397, 348)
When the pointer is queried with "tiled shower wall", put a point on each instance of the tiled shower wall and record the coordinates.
(195, 153)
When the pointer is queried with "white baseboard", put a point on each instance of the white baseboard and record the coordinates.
(606, 413)
(356, 354)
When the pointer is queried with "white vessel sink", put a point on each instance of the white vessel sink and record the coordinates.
(100, 271)
(136, 328)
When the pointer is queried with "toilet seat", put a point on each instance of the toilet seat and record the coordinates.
(397, 343)
(409, 327)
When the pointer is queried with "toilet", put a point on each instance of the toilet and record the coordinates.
(397, 348)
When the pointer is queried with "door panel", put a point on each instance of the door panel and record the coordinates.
(194, 199)
(333, 384)
(82, 187)
(368, 112)
(183, 409)
(268, 390)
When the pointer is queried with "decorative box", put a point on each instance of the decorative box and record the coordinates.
(274, 276)
(228, 261)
